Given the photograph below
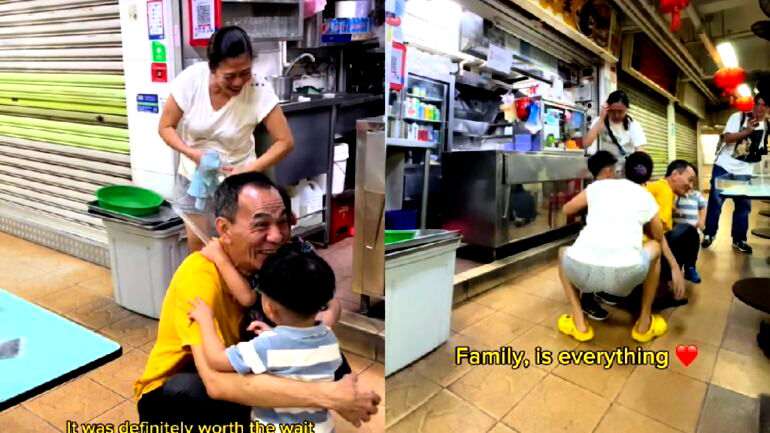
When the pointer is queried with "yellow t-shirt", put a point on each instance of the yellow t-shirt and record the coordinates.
(664, 196)
(196, 278)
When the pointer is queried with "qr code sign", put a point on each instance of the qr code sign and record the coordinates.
(203, 14)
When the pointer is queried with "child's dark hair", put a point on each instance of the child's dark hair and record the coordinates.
(228, 43)
(301, 282)
(599, 161)
(638, 167)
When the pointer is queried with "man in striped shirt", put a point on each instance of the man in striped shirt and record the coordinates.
(295, 286)
(691, 209)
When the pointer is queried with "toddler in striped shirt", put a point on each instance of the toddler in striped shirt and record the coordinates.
(295, 286)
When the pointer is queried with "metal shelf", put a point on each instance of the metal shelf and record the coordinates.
(402, 142)
(414, 119)
(307, 231)
(425, 98)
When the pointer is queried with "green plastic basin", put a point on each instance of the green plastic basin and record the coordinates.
(395, 236)
(130, 200)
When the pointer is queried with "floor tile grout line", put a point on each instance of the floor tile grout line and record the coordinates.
(414, 409)
(651, 417)
(524, 397)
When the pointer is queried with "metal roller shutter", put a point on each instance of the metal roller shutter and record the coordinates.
(650, 110)
(686, 138)
(63, 127)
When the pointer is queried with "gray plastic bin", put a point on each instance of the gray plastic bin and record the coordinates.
(143, 262)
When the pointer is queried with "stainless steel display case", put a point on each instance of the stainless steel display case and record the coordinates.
(369, 241)
(495, 198)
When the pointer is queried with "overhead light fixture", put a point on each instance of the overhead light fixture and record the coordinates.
(744, 90)
(727, 53)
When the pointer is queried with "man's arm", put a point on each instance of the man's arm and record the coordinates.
(655, 228)
(740, 134)
(347, 397)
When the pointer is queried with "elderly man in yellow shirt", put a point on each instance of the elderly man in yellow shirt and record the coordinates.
(253, 220)
(681, 242)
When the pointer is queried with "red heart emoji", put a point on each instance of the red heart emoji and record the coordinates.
(686, 354)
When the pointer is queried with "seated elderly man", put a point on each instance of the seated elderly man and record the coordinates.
(253, 219)
(681, 245)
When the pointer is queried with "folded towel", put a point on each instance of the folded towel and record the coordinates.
(205, 180)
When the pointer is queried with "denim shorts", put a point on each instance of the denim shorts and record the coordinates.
(618, 281)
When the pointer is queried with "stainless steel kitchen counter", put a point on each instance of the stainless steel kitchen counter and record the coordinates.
(495, 198)
(342, 100)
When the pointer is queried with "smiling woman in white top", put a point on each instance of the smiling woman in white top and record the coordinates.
(216, 105)
(615, 131)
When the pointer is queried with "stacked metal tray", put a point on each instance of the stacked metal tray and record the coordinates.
(423, 237)
(163, 219)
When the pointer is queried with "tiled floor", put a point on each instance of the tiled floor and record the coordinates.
(83, 293)
(716, 394)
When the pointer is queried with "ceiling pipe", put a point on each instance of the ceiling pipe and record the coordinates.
(704, 37)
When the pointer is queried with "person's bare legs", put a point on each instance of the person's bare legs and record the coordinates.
(650, 285)
(193, 241)
(572, 295)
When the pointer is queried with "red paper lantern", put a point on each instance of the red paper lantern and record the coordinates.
(674, 7)
(729, 78)
(744, 103)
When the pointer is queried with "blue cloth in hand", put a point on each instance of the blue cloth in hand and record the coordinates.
(205, 180)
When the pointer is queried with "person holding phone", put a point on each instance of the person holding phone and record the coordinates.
(743, 143)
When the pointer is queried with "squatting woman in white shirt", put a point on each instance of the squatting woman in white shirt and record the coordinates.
(217, 105)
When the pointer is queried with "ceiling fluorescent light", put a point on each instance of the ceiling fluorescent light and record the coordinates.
(727, 53)
(744, 90)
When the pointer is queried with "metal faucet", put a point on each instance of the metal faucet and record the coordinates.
(291, 65)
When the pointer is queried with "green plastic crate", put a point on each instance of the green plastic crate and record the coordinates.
(395, 236)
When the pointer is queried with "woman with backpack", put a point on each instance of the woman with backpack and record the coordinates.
(743, 143)
(615, 131)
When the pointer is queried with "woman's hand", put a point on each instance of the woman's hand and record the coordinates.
(201, 311)
(603, 113)
(195, 155)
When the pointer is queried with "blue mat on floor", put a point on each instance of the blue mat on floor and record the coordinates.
(39, 350)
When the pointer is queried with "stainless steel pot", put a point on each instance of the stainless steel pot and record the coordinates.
(283, 87)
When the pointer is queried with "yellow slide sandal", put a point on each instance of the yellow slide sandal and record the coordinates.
(658, 327)
(567, 326)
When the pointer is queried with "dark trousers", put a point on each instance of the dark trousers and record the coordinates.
(183, 398)
(740, 213)
(684, 242)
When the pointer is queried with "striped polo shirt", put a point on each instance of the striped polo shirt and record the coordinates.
(686, 211)
(307, 354)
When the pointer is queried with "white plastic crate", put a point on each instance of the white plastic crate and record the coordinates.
(419, 289)
(143, 262)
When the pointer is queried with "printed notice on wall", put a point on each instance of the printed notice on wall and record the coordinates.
(500, 59)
